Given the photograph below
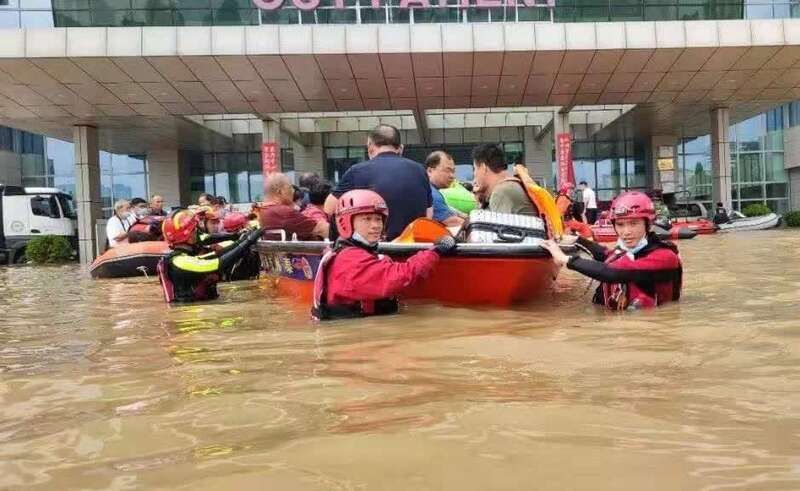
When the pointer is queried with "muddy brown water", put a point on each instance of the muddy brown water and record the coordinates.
(104, 387)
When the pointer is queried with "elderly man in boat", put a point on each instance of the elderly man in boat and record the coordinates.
(278, 214)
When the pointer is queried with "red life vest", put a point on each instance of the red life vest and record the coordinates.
(664, 286)
(321, 310)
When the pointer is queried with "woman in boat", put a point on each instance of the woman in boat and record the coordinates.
(641, 271)
(352, 279)
(185, 274)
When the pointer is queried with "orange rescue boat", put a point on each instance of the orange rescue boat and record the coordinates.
(478, 274)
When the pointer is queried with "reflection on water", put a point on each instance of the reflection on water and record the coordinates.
(104, 387)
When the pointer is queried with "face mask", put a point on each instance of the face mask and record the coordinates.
(633, 250)
(358, 238)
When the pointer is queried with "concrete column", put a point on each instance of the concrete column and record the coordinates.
(271, 133)
(164, 175)
(87, 189)
(721, 156)
(538, 154)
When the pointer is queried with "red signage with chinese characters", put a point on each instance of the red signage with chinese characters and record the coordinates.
(269, 158)
(565, 171)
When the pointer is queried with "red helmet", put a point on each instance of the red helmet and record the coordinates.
(566, 187)
(234, 221)
(358, 202)
(633, 204)
(179, 226)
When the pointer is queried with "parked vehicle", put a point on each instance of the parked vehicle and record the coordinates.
(26, 213)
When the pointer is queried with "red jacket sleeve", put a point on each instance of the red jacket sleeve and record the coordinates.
(363, 276)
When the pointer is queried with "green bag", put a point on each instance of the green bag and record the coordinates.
(457, 196)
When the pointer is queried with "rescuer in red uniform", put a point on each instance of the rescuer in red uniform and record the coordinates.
(353, 280)
(641, 271)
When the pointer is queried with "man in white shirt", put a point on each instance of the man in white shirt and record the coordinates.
(119, 223)
(589, 202)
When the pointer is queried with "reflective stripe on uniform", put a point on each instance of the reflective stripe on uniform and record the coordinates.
(195, 264)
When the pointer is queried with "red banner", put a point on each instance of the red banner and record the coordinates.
(269, 158)
(566, 173)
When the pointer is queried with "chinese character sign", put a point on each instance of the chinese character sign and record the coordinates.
(269, 158)
(565, 171)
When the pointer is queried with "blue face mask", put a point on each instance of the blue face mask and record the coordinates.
(358, 238)
(633, 250)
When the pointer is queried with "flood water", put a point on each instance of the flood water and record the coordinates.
(104, 387)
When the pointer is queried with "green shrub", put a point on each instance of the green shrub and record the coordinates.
(49, 249)
(756, 210)
(792, 219)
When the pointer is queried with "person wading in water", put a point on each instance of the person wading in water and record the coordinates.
(641, 271)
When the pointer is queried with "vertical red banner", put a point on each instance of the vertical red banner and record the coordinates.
(269, 158)
(564, 152)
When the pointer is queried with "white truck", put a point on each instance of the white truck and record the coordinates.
(26, 213)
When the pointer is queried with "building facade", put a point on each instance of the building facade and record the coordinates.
(177, 96)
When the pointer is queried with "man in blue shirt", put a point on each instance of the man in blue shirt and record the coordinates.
(441, 172)
(401, 182)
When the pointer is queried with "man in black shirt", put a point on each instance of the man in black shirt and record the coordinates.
(401, 182)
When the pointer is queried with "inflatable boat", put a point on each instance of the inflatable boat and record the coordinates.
(478, 274)
(741, 223)
(700, 225)
(137, 259)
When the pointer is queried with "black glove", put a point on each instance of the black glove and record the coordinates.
(254, 235)
(445, 245)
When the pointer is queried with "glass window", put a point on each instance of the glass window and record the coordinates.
(37, 19)
(71, 4)
(584, 171)
(9, 19)
(637, 174)
(33, 165)
(60, 157)
(6, 139)
(750, 167)
(42, 206)
(751, 191)
(65, 183)
(128, 164)
(794, 113)
(36, 4)
(39, 181)
(72, 18)
(701, 144)
(777, 190)
(749, 133)
(129, 186)
(609, 174)
(67, 206)
(221, 178)
(239, 178)
(774, 170)
(758, 11)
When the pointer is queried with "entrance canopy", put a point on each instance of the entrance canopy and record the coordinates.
(137, 84)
